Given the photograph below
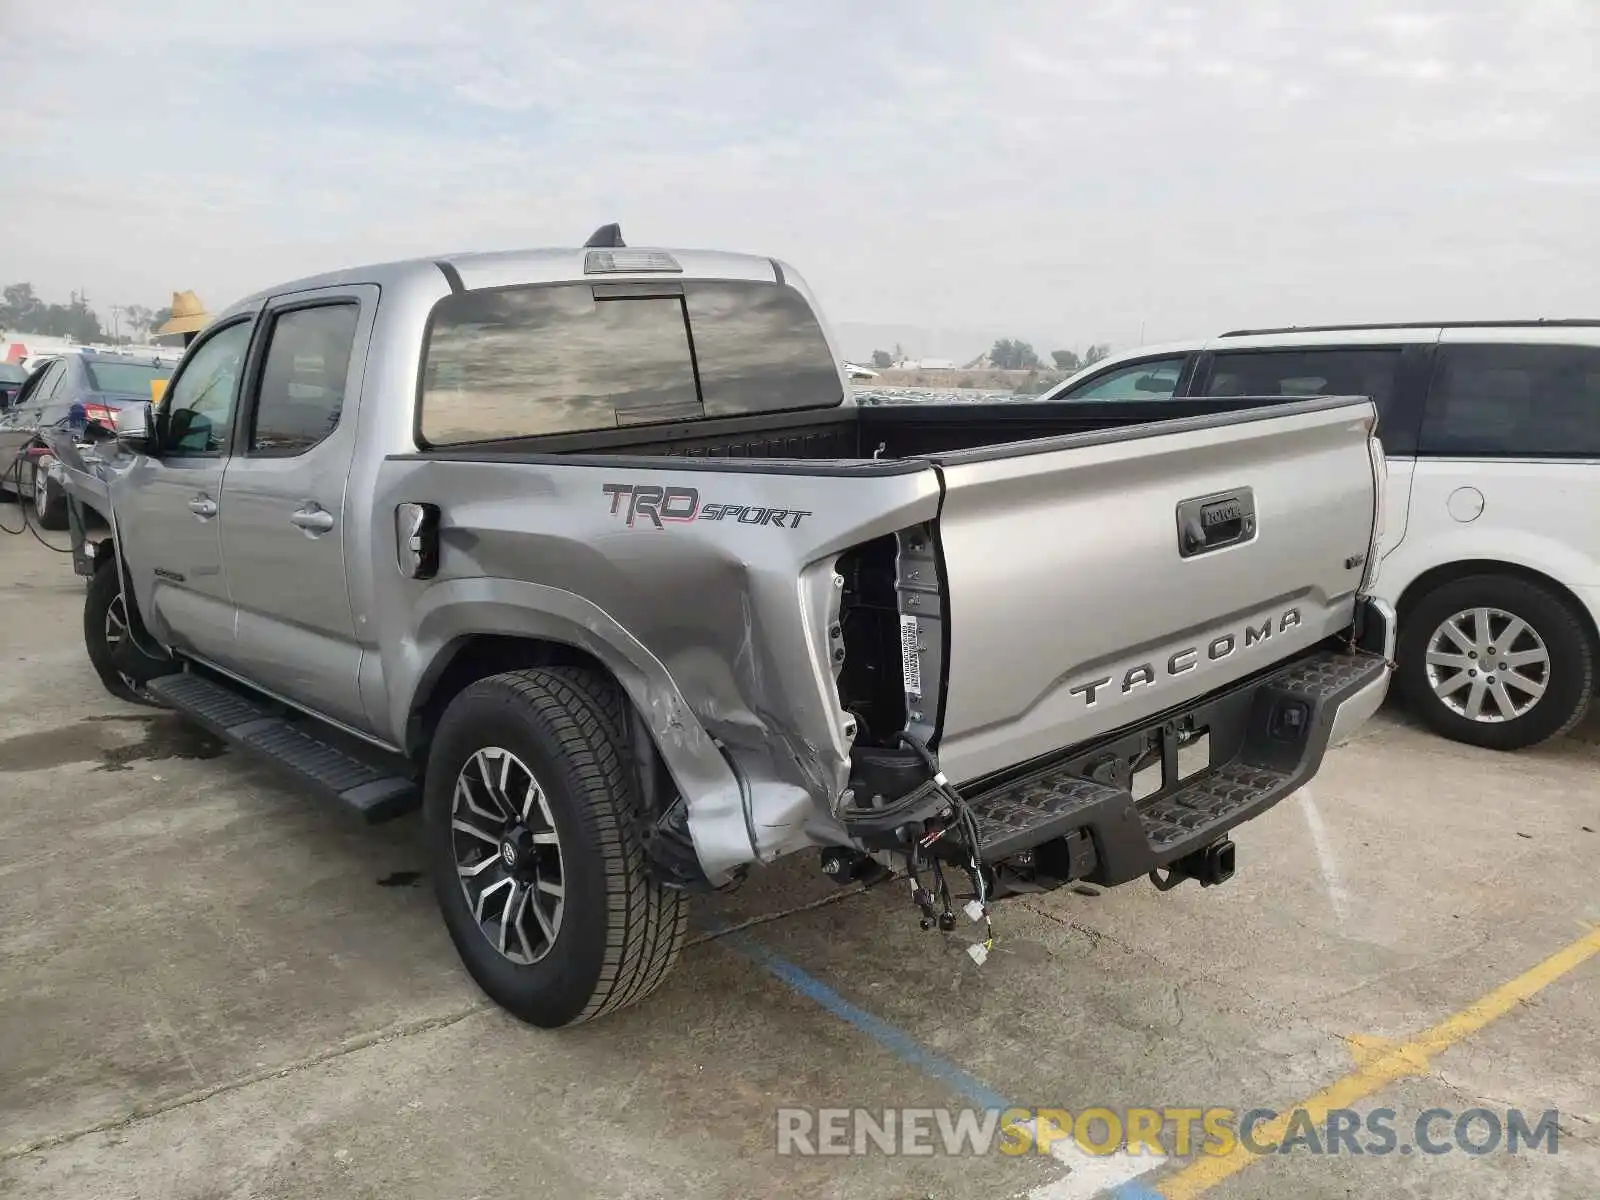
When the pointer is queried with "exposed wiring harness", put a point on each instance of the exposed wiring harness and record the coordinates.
(13, 477)
(966, 825)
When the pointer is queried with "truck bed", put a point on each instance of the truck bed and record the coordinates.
(867, 432)
(1062, 571)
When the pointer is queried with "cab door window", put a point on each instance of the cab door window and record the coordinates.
(197, 411)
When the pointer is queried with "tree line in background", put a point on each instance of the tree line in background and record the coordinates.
(1013, 354)
(22, 311)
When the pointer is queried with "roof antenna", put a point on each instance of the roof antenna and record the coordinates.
(607, 237)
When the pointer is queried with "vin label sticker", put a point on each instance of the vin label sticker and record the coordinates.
(911, 655)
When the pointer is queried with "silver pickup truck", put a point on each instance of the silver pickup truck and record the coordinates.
(589, 554)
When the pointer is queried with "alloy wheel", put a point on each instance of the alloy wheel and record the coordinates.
(508, 854)
(116, 630)
(1487, 665)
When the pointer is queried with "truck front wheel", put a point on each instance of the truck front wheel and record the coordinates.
(531, 816)
(123, 668)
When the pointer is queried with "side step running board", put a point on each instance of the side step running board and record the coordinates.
(297, 746)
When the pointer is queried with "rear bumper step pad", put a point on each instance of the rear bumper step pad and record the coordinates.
(371, 791)
(1267, 738)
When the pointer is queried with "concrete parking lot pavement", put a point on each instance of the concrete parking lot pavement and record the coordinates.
(211, 986)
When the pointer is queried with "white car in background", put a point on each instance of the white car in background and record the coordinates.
(1491, 547)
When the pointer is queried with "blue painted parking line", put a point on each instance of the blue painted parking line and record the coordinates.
(1110, 1176)
(896, 1041)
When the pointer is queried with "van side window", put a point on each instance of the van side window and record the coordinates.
(1358, 371)
(1514, 401)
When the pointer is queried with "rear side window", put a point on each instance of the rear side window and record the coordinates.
(301, 396)
(1514, 401)
(572, 358)
(1315, 372)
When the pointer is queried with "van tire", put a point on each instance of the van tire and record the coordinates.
(618, 931)
(1555, 627)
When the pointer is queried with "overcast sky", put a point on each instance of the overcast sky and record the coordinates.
(1065, 172)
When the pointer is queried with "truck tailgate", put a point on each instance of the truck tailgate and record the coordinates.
(1097, 580)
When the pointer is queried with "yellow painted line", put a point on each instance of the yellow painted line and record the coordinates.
(1382, 1065)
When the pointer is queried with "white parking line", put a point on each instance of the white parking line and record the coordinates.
(1089, 1175)
(1330, 866)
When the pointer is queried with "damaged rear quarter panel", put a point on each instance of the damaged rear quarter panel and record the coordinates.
(713, 616)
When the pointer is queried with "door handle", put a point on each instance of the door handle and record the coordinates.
(203, 507)
(312, 520)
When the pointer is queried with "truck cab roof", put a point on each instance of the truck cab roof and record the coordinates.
(473, 270)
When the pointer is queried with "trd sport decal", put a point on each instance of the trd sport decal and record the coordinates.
(661, 505)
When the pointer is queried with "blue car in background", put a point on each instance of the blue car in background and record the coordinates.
(71, 388)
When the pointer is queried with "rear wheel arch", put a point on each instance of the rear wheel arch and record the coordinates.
(471, 657)
(465, 660)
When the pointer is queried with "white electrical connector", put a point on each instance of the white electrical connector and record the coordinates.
(978, 952)
(974, 910)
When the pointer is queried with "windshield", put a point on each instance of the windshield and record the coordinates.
(11, 373)
(125, 377)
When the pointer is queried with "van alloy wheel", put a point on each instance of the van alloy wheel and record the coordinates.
(508, 854)
(1487, 665)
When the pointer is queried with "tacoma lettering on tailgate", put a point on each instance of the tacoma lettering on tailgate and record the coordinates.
(1181, 662)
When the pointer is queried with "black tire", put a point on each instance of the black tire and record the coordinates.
(123, 668)
(619, 931)
(50, 511)
(1568, 678)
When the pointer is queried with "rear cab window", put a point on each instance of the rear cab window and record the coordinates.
(550, 359)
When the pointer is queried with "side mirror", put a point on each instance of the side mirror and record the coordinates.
(135, 430)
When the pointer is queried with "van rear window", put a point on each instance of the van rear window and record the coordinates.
(548, 359)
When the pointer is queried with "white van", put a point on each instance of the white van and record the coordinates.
(1491, 549)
